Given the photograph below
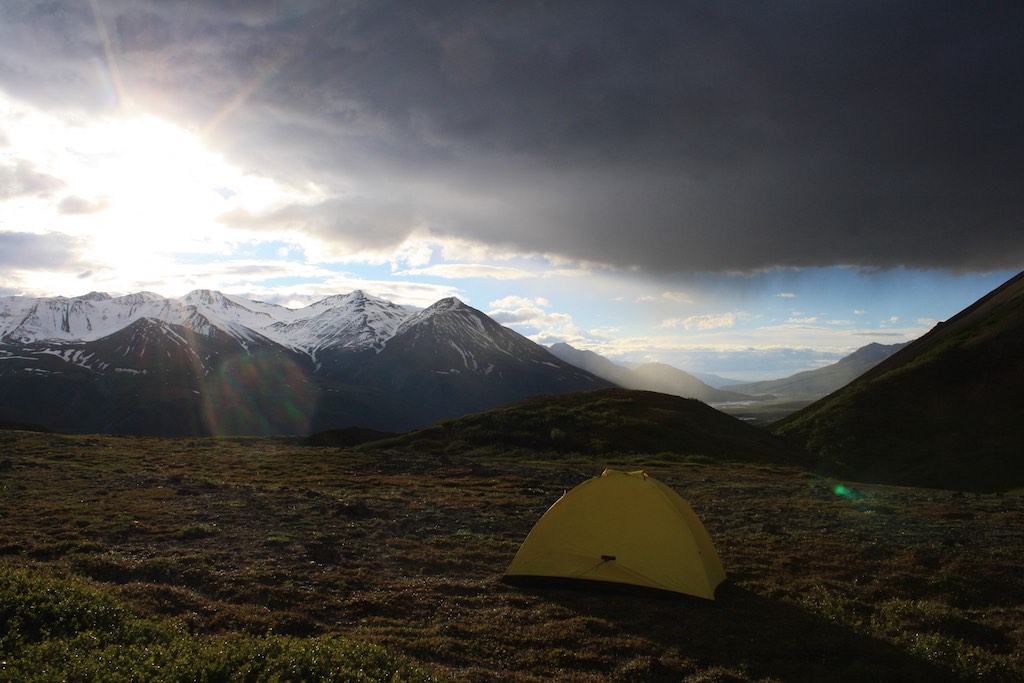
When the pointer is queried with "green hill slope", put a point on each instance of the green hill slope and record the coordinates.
(600, 422)
(947, 411)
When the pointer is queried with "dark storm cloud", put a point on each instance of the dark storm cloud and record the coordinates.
(662, 135)
(357, 223)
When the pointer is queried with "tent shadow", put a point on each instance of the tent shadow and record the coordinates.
(743, 631)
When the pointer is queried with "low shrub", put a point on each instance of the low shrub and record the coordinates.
(59, 629)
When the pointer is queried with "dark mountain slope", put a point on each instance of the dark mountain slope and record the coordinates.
(946, 411)
(156, 378)
(606, 421)
(451, 359)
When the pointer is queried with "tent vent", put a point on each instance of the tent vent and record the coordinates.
(606, 558)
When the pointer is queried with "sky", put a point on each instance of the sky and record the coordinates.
(741, 188)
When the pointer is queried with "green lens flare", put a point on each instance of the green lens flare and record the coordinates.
(256, 395)
(846, 492)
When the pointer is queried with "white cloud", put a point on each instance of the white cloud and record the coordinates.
(75, 205)
(531, 317)
(528, 317)
(511, 302)
(469, 270)
(22, 178)
(710, 322)
(786, 295)
(414, 252)
(703, 322)
(673, 297)
(605, 332)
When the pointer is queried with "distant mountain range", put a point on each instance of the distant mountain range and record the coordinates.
(946, 411)
(210, 363)
(821, 381)
(808, 385)
(649, 377)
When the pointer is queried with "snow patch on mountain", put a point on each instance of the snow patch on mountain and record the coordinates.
(353, 321)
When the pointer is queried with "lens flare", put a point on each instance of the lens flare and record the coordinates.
(846, 492)
(258, 395)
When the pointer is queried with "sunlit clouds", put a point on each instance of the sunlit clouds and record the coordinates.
(134, 194)
(535, 319)
(468, 270)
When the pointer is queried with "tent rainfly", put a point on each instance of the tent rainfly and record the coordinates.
(626, 528)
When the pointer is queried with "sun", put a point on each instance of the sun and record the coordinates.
(156, 183)
(135, 190)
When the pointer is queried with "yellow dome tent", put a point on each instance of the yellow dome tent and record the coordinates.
(622, 527)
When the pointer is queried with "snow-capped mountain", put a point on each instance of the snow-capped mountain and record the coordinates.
(451, 355)
(354, 321)
(209, 363)
(455, 333)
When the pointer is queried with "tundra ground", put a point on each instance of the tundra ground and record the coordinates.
(828, 580)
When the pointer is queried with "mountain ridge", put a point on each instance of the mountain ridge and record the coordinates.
(213, 363)
(942, 412)
(87, 318)
(603, 422)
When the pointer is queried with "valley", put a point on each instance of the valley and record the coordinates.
(874, 534)
(511, 342)
(210, 364)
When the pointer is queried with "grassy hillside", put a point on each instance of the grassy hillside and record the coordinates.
(608, 421)
(259, 559)
(945, 411)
